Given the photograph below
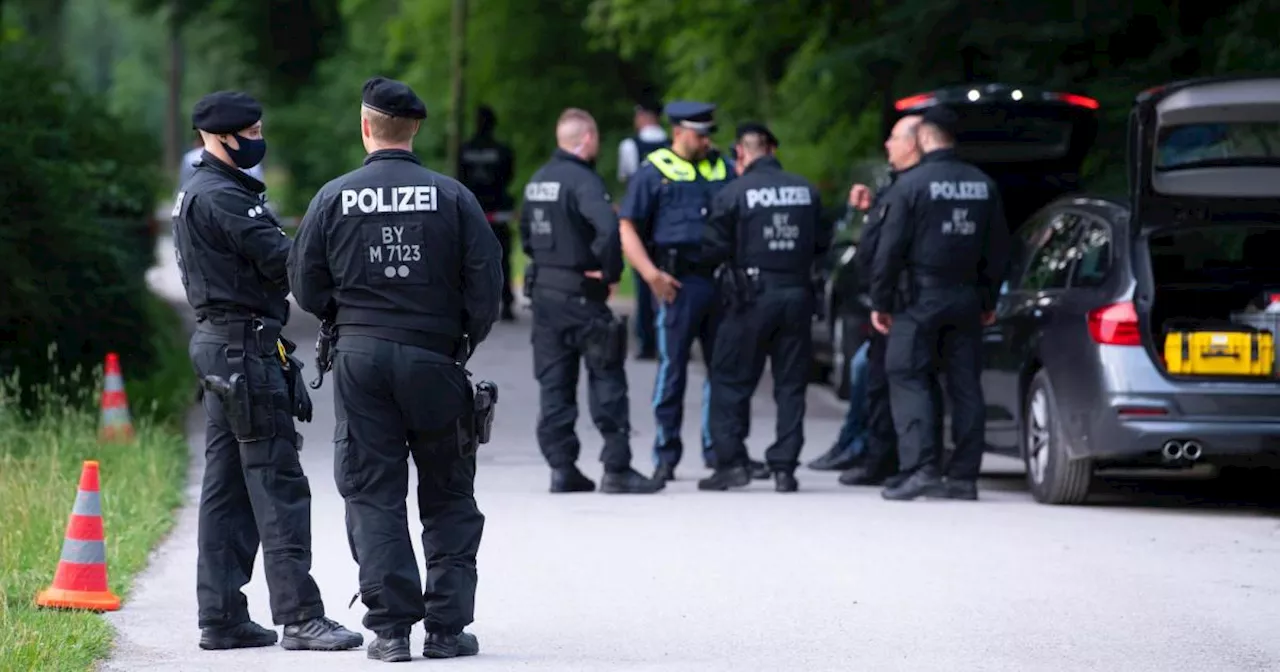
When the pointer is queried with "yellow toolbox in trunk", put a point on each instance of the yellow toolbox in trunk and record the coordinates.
(1219, 352)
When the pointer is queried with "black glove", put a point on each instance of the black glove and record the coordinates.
(298, 391)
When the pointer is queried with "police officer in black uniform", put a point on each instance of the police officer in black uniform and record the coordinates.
(232, 252)
(765, 231)
(934, 282)
(486, 167)
(401, 260)
(569, 230)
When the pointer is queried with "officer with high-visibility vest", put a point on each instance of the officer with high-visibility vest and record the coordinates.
(662, 219)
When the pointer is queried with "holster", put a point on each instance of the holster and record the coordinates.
(484, 402)
(606, 343)
(738, 287)
(250, 412)
(818, 290)
(906, 292)
(324, 352)
(530, 278)
(234, 394)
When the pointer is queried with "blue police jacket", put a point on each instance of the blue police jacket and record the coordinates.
(668, 198)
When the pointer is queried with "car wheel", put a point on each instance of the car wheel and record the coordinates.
(841, 354)
(1052, 476)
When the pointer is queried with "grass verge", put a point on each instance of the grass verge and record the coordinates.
(141, 482)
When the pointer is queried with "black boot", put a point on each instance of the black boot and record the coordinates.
(319, 634)
(836, 459)
(389, 649)
(245, 635)
(629, 482)
(924, 482)
(759, 470)
(665, 472)
(785, 481)
(441, 645)
(861, 476)
(508, 315)
(723, 479)
(570, 479)
(962, 489)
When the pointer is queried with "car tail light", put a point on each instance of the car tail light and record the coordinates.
(914, 101)
(1116, 324)
(1077, 100)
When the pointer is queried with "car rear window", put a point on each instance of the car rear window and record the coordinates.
(1213, 145)
(997, 136)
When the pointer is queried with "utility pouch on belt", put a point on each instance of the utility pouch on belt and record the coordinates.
(606, 343)
(485, 401)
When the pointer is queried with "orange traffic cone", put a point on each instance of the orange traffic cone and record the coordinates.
(81, 580)
(116, 422)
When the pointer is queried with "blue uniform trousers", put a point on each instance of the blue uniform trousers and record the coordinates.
(695, 313)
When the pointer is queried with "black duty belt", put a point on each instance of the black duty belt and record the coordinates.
(934, 282)
(243, 333)
(570, 282)
(440, 344)
(780, 280)
(679, 261)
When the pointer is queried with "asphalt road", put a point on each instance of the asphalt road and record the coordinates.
(1156, 574)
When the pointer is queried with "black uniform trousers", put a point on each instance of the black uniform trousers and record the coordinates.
(776, 326)
(882, 439)
(395, 401)
(254, 492)
(503, 232)
(940, 332)
(562, 324)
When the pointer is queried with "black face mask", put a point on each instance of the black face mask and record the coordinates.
(250, 153)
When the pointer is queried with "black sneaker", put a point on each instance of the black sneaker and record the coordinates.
(759, 470)
(245, 635)
(629, 482)
(723, 479)
(441, 645)
(389, 650)
(962, 489)
(785, 481)
(319, 634)
(569, 479)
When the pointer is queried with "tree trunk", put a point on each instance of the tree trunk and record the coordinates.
(457, 108)
(175, 139)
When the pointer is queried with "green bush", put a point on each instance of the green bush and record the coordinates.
(72, 284)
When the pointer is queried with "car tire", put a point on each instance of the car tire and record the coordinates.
(1053, 477)
(843, 348)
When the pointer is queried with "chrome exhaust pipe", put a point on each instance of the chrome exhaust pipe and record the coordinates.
(1192, 450)
(1172, 450)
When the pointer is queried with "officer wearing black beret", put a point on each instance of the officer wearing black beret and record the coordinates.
(232, 254)
(401, 261)
(764, 234)
(935, 275)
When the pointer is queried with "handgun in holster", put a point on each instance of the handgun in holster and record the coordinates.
(727, 282)
(530, 279)
(236, 404)
(606, 342)
(485, 402)
(751, 285)
(905, 293)
(818, 289)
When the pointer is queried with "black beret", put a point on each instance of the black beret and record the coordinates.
(944, 118)
(224, 112)
(757, 127)
(394, 98)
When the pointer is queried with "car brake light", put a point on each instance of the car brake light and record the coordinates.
(1078, 101)
(1116, 324)
(914, 101)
